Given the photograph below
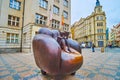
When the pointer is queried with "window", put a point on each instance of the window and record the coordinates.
(100, 30)
(66, 27)
(55, 10)
(13, 20)
(43, 4)
(99, 18)
(65, 3)
(100, 24)
(39, 19)
(12, 38)
(65, 14)
(15, 4)
(55, 24)
(100, 37)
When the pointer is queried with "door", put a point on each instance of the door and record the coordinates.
(100, 43)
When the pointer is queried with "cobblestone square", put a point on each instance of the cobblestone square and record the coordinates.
(96, 66)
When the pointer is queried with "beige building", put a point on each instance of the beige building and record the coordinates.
(92, 29)
(21, 19)
(11, 14)
(115, 35)
(118, 35)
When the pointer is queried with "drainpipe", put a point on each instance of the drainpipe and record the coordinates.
(94, 30)
(22, 25)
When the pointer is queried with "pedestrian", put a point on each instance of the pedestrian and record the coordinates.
(93, 47)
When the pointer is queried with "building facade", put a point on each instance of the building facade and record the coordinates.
(118, 35)
(115, 35)
(21, 19)
(92, 29)
(11, 13)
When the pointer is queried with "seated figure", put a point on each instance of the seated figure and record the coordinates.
(55, 53)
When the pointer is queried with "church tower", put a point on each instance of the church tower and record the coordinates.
(100, 25)
(98, 7)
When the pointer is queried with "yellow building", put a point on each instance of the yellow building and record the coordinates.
(92, 29)
(21, 19)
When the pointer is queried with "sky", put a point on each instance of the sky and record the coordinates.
(84, 8)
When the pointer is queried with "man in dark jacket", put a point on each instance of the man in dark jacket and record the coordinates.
(93, 47)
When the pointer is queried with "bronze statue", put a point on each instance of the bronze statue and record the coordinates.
(55, 53)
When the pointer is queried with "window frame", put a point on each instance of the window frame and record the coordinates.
(43, 4)
(55, 24)
(100, 37)
(55, 10)
(65, 3)
(41, 19)
(99, 23)
(15, 4)
(65, 14)
(66, 27)
(13, 38)
(13, 21)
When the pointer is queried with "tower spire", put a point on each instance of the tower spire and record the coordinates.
(97, 3)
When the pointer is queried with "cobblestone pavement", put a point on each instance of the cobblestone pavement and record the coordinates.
(96, 66)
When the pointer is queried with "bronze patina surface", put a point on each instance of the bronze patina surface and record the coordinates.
(55, 53)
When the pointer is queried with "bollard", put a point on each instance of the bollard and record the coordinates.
(102, 49)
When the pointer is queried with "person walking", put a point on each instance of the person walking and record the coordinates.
(93, 47)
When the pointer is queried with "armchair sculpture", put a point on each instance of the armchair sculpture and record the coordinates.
(55, 54)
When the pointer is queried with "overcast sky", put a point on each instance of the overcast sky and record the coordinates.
(83, 8)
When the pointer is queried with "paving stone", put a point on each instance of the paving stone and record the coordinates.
(26, 74)
(108, 72)
(91, 75)
(118, 74)
(91, 68)
(94, 64)
(21, 69)
(3, 68)
(84, 73)
(112, 67)
(71, 78)
(102, 77)
(38, 78)
(117, 78)
(7, 78)
(2, 73)
(113, 64)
